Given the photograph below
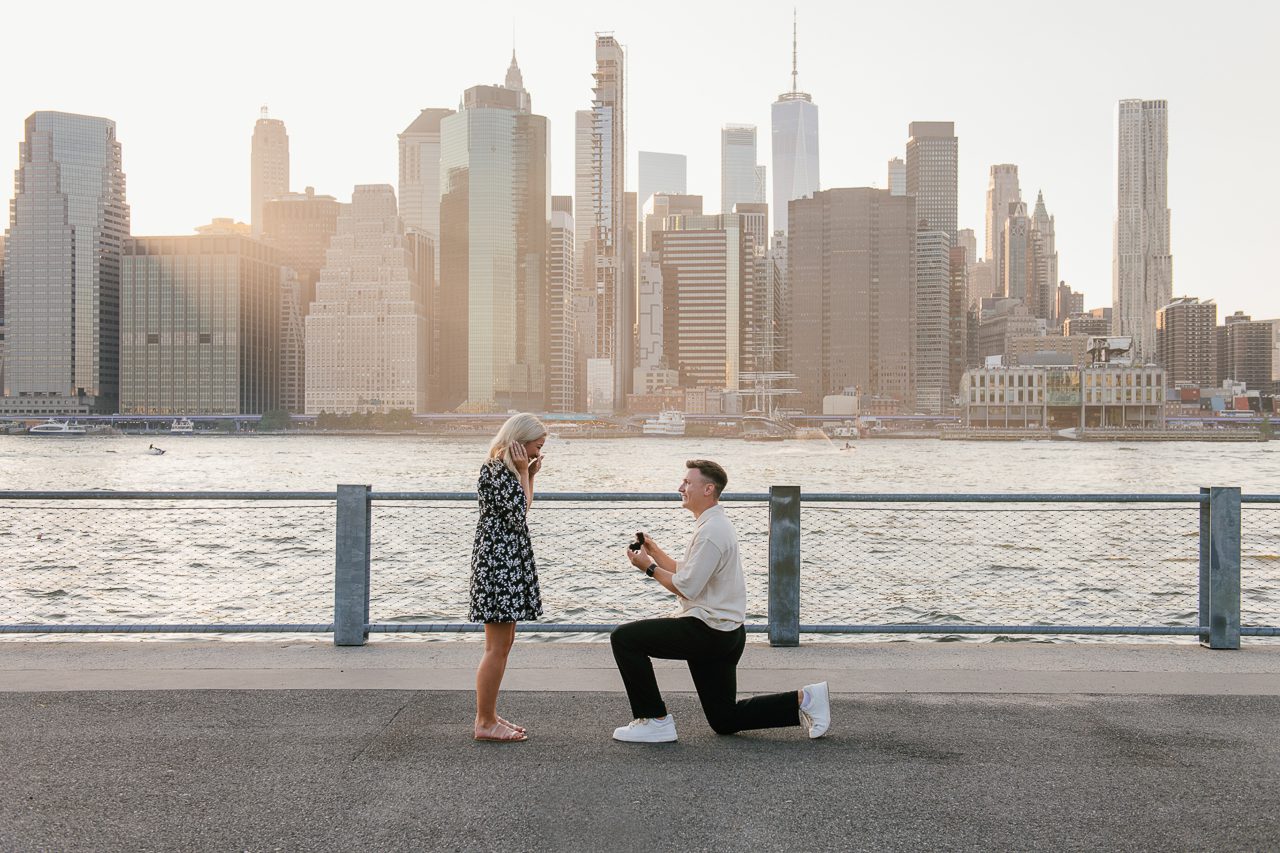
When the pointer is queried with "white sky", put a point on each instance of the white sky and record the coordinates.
(1031, 83)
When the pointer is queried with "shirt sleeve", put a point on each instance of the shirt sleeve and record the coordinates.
(693, 573)
(501, 496)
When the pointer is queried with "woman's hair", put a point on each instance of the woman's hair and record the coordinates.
(523, 428)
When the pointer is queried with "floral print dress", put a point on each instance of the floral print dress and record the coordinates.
(504, 578)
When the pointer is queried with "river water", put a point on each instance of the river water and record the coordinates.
(108, 562)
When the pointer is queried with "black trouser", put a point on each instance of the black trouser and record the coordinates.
(713, 660)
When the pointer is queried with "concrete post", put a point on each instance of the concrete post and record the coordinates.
(351, 567)
(784, 565)
(1224, 567)
(1205, 551)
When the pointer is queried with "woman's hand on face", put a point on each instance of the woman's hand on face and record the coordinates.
(518, 457)
(535, 465)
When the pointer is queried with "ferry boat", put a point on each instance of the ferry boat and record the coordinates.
(182, 426)
(667, 423)
(61, 429)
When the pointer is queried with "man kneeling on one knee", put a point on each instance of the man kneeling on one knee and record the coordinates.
(707, 630)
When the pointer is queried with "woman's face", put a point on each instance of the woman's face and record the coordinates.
(533, 449)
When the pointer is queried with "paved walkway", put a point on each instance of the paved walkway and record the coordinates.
(301, 746)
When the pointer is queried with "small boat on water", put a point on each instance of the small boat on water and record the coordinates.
(155, 451)
(182, 426)
(761, 436)
(670, 422)
(57, 429)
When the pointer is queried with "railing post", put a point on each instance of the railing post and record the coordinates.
(784, 565)
(1205, 532)
(351, 567)
(1224, 567)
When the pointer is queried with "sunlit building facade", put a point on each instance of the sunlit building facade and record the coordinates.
(561, 287)
(68, 221)
(269, 165)
(794, 118)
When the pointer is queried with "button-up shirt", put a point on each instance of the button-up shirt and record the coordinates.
(709, 580)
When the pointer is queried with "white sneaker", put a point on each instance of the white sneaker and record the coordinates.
(816, 719)
(647, 730)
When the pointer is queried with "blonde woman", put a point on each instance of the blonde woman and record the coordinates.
(504, 578)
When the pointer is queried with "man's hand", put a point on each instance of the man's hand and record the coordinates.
(640, 559)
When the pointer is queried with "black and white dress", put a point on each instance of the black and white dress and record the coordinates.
(504, 578)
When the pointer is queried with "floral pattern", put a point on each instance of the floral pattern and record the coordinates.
(504, 577)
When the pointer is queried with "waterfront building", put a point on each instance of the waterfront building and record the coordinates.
(368, 332)
(1000, 320)
(419, 198)
(794, 118)
(897, 177)
(1028, 350)
(561, 287)
(1143, 265)
(707, 267)
(269, 166)
(1187, 342)
(495, 210)
(1244, 351)
(742, 180)
(1042, 264)
(851, 274)
(1002, 191)
(200, 325)
(67, 223)
(605, 210)
(299, 226)
(1099, 395)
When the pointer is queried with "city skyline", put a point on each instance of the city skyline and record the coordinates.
(1061, 133)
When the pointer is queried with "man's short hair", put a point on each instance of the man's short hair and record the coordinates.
(712, 471)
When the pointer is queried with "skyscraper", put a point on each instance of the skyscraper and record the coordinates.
(1002, 190)
(300, 226)
(199, 325)
(1143, 266)
(660, 173)
(741, 178)
(1043, 265)
(1244, 351)
(68, 221)
(419, 198)
(561, 287)
(610, 380)
(932, 175)
(1015, 259)
(852, 276)
(269, 166)
(795, 145)
(495, 210)
(897, 177)
(367, 333)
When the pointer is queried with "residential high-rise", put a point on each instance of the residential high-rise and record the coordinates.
(932, 165)
(795, 145)
(199, 325)
(269, 166)
(1244, 351)
(897, 176)
(741, 179)
(1002, 191)
(1187, 342)
(300, 226)
(707, 269)
(419, 198)
(852, 276)
(1043, 264)
(1143, 265)
(68, 221)
(368, 330)
(606, 203)
(584, 247)
(660, 173)
(561, 287)
(495, 211)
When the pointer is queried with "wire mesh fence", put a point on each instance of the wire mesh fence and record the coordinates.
(954, 565)
(1260, 565)
(421, 559)
(148, 562)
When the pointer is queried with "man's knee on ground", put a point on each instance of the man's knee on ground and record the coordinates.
(723, 724)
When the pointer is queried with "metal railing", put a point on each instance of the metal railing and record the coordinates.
(356, 561)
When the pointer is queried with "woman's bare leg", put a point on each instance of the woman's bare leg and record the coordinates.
(498, 638)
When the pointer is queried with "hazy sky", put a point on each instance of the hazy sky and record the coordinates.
(1031, 83)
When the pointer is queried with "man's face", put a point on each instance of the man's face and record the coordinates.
(695, 490)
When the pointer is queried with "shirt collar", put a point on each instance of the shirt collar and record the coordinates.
(716, 508)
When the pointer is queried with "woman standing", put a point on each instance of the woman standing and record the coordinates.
(504, 578)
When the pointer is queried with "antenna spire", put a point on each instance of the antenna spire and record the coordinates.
(794, 88)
